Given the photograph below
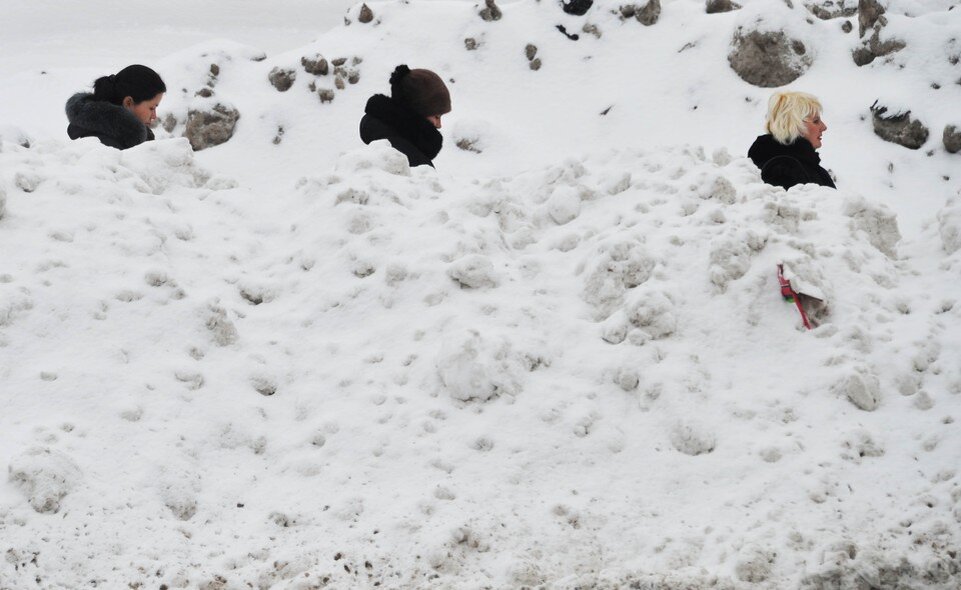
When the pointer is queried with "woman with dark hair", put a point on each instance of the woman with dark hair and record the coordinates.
(120, 110)
(410, 117)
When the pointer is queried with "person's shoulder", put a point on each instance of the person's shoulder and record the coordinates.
(373, 128)
(76, 104)
(784, 171)
(764, 147)
(113, 125)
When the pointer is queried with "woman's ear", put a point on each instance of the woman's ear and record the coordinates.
(128, 102)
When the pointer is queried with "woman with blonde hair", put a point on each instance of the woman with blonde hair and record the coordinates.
(787, 154)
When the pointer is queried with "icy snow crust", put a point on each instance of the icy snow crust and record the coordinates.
(581, 376)
(526, 369)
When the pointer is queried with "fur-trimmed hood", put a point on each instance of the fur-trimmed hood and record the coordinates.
(407, 131)
(113, 125)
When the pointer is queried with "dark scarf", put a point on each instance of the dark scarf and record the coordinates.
(113, 125)
(406, 123)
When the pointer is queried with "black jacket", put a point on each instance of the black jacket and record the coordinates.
(408, 132)
(113, 125)
(787, 165)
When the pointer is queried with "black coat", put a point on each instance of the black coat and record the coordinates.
(409, 133)
(787, 165)
(113, 125)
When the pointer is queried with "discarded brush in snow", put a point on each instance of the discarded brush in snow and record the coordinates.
(799, 297)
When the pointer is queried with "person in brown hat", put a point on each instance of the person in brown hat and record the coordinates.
(411, 116)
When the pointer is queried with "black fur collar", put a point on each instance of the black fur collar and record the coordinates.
(112, 124)
(408, 124)
(766, 147)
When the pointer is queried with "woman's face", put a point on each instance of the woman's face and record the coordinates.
(435, 120)
(813, 128)
(145, 111)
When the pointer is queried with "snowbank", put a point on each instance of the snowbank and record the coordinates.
(560, 360)
(582, 375)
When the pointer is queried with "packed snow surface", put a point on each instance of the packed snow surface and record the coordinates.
(561, 360)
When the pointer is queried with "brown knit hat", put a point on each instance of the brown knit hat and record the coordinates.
(421, 90)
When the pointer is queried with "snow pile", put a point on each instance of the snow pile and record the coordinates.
(561, 360)
(582, 375)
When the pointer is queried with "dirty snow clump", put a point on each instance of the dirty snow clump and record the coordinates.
(45, 477)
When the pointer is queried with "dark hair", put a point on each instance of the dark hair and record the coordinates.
(138, 82)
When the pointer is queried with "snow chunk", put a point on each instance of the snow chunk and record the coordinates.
(211, 125)
(177, 483)
(165, 163)
(45, 476)
(378, 155)
(861, 390)
(861, 444)
(13, 302)
(473, 271)
(654, 314)
(949, 226)
(622, 266)
(754, 564)
(480, 369)
(877, 221)
(564, 205)
(692, 439)
(15, 135)
(731, 257)
(221, 328)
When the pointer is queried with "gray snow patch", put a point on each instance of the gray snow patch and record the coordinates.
(952, 138)
(366, 15)
(898, 127)
(870, 12)
(754, 564)
(692, 439)
(221, 328)
(282, 78)
(874, 48)
(490, 12)
(210, 127)
(45, 477)
(316, 65)
(768, 59)
(647, 13)
(716, 6)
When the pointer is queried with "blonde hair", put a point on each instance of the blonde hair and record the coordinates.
(786, 112)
